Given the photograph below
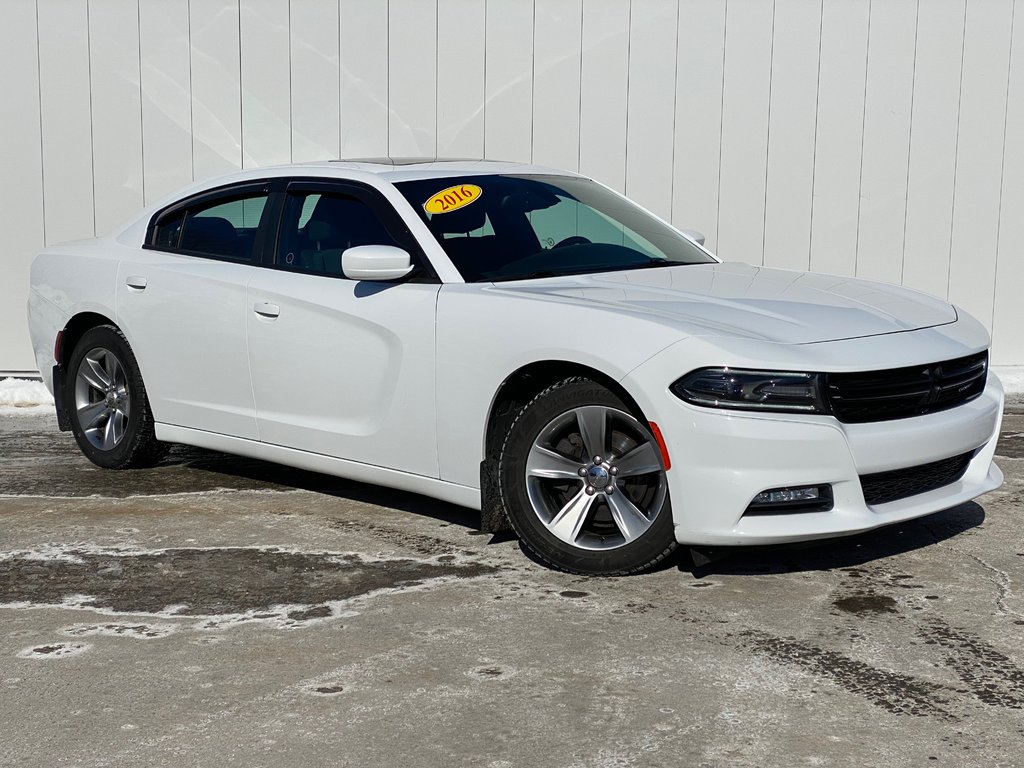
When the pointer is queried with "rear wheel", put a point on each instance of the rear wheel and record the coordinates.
(107, 402)
(583, 483)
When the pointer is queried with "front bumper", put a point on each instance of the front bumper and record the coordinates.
(722, 459)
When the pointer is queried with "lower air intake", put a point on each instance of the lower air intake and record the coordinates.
(885, 487)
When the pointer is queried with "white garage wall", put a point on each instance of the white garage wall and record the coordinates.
(878, 138)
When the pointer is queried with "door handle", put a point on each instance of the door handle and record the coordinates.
(266, 309)
(137, 282)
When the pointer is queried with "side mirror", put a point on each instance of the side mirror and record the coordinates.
(693, 234)
(375, 262)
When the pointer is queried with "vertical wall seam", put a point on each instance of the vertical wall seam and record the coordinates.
(1002, 165)
(39, 91)
(533, 78)
(629, 57)
(579, 109)
(814, 142)
(768, 136)
(437, 69)
(92, 130)
(341, 95)
(721, 128)
(675, 107)
(191, 92)
(863, 129)
(291, 108)
(956, 149)
(241, 93)
(483, 91)
(142, 122)
(910, 142)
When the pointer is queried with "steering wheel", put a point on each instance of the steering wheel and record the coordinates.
(572, 240)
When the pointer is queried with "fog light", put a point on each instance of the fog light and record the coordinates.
(809, 493)
(802, 498)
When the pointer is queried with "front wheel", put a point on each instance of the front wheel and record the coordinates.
(583, 482)
(107, 402)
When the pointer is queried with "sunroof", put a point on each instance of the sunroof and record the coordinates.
(406, 160)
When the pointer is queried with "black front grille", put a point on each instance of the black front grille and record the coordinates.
(901, 392)
(883, 487)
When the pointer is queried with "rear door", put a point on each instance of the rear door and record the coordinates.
(182, 304)
(341, 367)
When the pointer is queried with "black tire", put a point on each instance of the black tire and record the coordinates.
(124, 401)
(597, 551)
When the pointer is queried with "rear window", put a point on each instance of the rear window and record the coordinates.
(222, 228)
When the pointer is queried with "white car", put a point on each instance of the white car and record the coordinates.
(518, 340)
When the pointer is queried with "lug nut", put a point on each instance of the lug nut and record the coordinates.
(609, 489)
(598, 460)
(590, 490)
(613, 471)
(582, 471)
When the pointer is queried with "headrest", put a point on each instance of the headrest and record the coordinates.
(466, 219)
(204, 231)
(319, 230)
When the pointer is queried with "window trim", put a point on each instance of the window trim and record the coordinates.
(225, 192)
(423, 271)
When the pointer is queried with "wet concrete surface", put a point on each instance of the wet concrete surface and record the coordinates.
(216, 610)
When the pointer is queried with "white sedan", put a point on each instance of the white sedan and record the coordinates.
(518, 340)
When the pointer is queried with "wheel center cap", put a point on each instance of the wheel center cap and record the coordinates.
(111, 399)
(597, 477)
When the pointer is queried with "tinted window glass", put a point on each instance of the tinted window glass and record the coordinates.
(518, 227)
(317, 228)
(222, 228)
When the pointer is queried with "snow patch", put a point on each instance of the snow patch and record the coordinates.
(54, 651)
(24, 397)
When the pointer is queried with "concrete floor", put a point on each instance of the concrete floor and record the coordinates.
(215, 611)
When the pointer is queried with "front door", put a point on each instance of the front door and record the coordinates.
(341, 367)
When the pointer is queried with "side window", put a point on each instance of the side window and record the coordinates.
(318, 227)
(224, 228)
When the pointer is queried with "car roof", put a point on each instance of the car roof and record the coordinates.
(406, 168)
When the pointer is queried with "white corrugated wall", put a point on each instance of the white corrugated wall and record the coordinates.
(878, 138)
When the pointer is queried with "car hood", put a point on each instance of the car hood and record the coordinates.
(740, 300)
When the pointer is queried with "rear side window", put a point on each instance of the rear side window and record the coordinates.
(222, 228)
(318, 227)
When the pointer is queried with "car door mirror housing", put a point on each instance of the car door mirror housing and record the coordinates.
(693, 234)
(375, 262)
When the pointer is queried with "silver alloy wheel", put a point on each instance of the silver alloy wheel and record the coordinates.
(102, 400)
(594, 478)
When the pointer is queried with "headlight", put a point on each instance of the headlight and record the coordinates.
(782, 391)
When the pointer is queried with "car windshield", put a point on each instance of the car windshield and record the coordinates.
(516, 227)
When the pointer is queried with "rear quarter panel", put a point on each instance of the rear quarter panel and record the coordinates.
(67, 280)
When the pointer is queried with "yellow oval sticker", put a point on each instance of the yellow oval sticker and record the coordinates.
(453, 198)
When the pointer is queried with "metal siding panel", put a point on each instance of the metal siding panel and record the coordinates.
(556, 83)
(839, 136)
(979, 162)
(698, 139)
(116, 111)
(266, 91)
(604, 74)
(1008, 310)
(364, 78)
(791, 129)
(66, 119)
(166, 96)
(461, 27)
(315, 80)
(508, 110)
(21, 163)
(883, 185)
(933, 127)
(651, 104)
(216, 88)
(412, 79)
(748, 59)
